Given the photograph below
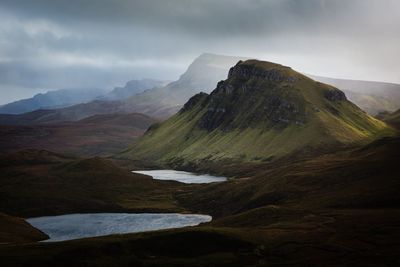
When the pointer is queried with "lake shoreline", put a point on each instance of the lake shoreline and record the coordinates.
(89, 225)
(181, 176)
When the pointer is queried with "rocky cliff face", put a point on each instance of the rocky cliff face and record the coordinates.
(254, 96)
(262, 111)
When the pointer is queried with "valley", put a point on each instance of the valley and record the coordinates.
(338, 208)
(291, 172)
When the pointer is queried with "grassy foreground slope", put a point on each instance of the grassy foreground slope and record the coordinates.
(17, 230)
(263, 111)
(41, 183)
(340, 209)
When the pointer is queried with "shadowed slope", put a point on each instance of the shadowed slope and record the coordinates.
(39, 183)
(17, 230)
(93, 136)
(392, 119)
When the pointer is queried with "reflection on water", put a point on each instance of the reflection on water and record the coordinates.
(74, 226)
(181, 176)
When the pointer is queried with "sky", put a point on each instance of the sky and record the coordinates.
(54, 44)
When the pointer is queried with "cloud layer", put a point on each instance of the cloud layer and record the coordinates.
(47, 44)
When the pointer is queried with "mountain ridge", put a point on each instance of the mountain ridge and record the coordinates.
(371, 96)
(52, 99)
(262, 111)
(159, 102)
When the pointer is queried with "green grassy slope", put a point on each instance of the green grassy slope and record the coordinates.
(262, 111)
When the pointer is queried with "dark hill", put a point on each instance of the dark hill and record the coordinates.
(93, 136)
(17, 230)
(39, 183)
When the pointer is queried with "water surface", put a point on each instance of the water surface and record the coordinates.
(74, 226)
(181, 176)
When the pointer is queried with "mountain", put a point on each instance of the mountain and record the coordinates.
(132, 88)
(202, 75)
(373, 97)
(52, 99)
(93, 136)
(262, 111)
(161, 102)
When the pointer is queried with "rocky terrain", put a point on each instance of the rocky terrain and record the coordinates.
(262, 111)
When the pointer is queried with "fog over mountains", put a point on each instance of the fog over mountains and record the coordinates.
(161, 99)
(160, 102)
(67, 97)
(50, 44)
(132, 88)
(52, 99)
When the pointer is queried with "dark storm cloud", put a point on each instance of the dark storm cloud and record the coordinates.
(101, 43)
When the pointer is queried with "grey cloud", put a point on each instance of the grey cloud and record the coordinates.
(43, 43)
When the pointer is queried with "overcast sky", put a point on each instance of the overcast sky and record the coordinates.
(50, 44)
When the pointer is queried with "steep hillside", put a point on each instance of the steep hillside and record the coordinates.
(373, 97)
(52, 99)
(261, 112)
(93, 136)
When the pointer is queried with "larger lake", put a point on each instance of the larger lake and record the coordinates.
(74, 226)
(183, 177)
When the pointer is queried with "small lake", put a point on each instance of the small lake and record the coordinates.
(74, 226)
(183, 177)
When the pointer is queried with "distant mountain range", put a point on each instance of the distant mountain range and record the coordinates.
(261, 112)
(158, 99)
(373, 97)
(132, 88)
(52, 99)
(68, 97)
(162, 102)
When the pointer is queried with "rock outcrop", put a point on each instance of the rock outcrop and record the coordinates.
(262, 111)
